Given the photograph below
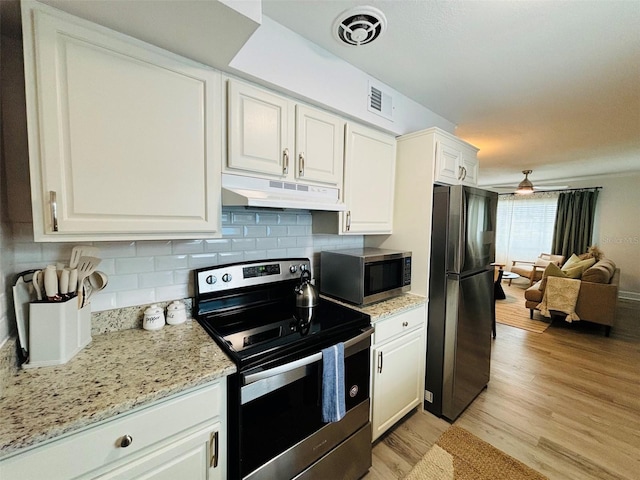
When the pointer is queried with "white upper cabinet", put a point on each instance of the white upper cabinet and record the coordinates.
(271, 136)
(125, 139)
(455, 160)
(369, 183)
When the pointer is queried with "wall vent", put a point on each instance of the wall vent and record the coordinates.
(380, 102)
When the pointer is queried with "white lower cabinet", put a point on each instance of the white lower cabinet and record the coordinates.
(181, 437)
(398, 358)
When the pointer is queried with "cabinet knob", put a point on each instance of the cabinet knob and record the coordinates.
(126, 441)
(405, 324)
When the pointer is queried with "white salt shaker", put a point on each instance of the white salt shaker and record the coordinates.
(176, 313)
(153, 318)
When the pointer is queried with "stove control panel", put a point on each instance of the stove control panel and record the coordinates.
(246, 274)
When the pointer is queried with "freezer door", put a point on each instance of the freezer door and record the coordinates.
(472, 222)
(467, 351)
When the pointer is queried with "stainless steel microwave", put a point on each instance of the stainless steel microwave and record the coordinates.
(364, 275)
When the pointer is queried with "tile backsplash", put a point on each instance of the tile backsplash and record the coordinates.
(143, 272)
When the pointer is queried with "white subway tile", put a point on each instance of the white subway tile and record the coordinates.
(304, 219)
(257, 231)
(266, 218)
(103, 301)
(188, 246)
(286, 242)
(173, 292)
(298, 230)
(299, 252)
(108, 266)
(134, 265)
(277, 231)
(306, 241)
(277, 253)
(171, 262)
(232, 231)
(225, 217)
(230, 257)
(202, 260)
(155, 279)
(122, 283)
(266, 243)
(183, 276)
(27, 253)
(153, 248)
(132, 298)
(116, 249)
(243, 218)
(243, 244)
(252, 255)
(217, 245)
(287, 219)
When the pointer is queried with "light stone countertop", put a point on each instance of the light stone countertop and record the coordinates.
(381, 310)
(116, 372)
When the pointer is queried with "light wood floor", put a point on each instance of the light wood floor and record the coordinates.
(565, 402)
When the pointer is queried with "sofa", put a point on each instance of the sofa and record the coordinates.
(597, 298)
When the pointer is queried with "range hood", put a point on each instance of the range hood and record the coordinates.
(239, 190)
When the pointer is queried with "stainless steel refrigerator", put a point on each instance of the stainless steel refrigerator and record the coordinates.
(461, 307)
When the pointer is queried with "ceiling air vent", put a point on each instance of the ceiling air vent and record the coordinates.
(359, 26)
(380, 102)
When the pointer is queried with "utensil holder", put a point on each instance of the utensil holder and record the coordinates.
(57, 332)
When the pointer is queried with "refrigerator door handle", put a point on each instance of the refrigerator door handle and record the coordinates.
(463, 232)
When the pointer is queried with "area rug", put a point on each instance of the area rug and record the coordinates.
(460, 455)
(511, 311)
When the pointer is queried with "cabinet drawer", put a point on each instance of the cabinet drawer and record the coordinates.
(401, 323)
(98, 446)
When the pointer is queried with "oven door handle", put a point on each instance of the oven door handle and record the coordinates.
(255, 377)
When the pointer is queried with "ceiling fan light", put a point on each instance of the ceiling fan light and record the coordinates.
(525, 187)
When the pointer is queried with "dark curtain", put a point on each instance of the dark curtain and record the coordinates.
(573, 227)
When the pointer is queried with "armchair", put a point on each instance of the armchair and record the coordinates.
(533, 270)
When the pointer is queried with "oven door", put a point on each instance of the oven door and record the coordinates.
(281, 427)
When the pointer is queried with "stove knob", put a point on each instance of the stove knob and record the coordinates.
(293, 269)
(211, 280)
(303, 267)
(226, 277)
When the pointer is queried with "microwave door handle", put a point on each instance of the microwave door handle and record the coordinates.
(303, 362)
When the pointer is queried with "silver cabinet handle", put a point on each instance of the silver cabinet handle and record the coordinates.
(126, 441)
(213, 449)
(301, 164)
(464, 173)
(348, 220)
(54, 210)
(380, 362)
(460, 169)
(285, 161)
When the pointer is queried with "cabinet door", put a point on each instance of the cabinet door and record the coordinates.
(124, 138)
(369, 183)
(319, 146)
(470, 169)
(448, 163)
(193, 456)
(259, 131)
(398, 368)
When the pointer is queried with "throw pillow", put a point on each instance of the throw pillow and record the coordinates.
(575, 262)
(572, 259)
(552, 270)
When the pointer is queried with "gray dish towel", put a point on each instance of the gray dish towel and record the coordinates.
(333, 401)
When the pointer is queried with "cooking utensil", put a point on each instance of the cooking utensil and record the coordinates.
(94, 283)
(86, 266)
(80, 251)
(38, 283)
(21, 298)
(64, 281)
(73, 281)
(306, 294)
(51, 283)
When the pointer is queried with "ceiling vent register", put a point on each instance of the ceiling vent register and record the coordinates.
(359, 26)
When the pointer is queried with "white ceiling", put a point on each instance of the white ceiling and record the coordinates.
(552, 86)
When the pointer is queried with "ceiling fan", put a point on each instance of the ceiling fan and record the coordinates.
(526, 187)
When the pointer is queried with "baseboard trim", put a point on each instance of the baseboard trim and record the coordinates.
(634, 296)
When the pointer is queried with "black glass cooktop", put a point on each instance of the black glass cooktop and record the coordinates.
(256, 334)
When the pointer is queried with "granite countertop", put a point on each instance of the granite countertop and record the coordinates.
(116, 372)
(380, 310)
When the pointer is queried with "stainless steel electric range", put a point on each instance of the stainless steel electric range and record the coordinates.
(275, 427)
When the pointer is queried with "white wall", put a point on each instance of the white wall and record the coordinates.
(617, 227)
(277, 57)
